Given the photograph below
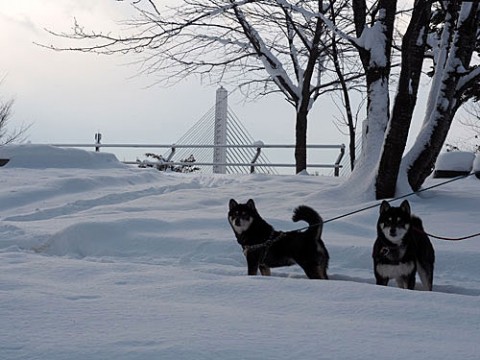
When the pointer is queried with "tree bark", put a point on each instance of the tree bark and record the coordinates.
(303, 104)
(349, 120)
(301, 141)
(377, 71)
(413, 49)
(449, 98)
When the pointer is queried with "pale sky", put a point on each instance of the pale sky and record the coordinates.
(67, 97)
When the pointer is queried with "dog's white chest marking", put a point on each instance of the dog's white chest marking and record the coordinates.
(395, 271)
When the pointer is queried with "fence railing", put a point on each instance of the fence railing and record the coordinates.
(252, 164)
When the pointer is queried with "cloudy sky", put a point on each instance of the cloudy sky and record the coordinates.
(68, 97)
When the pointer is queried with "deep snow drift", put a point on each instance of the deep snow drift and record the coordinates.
(99, 260)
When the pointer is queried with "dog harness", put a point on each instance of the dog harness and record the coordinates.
(273, 238)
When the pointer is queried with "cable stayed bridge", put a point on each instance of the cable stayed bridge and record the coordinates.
(217, 143)
(222, 129)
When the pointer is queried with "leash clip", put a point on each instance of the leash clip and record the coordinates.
(385, 251)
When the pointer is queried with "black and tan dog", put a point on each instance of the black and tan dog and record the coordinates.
(402, 248)
(266, 248)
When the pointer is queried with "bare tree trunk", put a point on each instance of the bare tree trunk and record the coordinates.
(305, 101)
(350, 122)
(424, 163)
(301, 141)
(413, 49)
(377, 69)
(420, 160)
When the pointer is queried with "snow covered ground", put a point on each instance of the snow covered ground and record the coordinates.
(99, 260)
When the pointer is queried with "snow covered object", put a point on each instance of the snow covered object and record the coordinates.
(476, 166)
(454, 163)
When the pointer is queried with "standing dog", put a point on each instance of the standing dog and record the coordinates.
(402, 248)
(266, 248)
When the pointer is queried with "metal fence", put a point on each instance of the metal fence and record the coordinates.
(335, 165)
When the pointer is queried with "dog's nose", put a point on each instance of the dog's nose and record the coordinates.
(393, 232)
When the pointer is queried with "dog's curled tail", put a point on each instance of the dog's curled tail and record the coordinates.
(309, 215)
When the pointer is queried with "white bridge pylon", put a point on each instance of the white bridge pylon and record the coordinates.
(221, 127)
(220, 131)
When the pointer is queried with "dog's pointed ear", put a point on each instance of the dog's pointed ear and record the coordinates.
(251, 204)
(231, 204)
(405, 206)
(385, 206)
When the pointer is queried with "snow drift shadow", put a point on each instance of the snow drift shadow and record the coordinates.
(157, 242)
(139, 240)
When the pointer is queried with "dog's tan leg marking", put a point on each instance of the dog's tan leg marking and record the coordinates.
(265, 270)
(426, 281)
(319, 272)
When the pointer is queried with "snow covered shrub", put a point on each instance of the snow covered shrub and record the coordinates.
(162, 164)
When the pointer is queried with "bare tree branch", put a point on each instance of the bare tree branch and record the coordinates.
(8, 136)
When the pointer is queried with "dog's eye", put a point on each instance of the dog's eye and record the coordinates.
(240, 214)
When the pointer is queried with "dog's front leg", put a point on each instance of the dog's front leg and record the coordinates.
(253, 263)
(380, 280)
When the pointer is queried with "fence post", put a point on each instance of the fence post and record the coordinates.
(172, 152)
(339, 159)
(254, 160)
(98, 139)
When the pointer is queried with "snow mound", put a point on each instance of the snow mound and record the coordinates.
(46, 156)
(130, 238)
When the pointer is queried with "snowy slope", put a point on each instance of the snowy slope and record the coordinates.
(99, 260)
